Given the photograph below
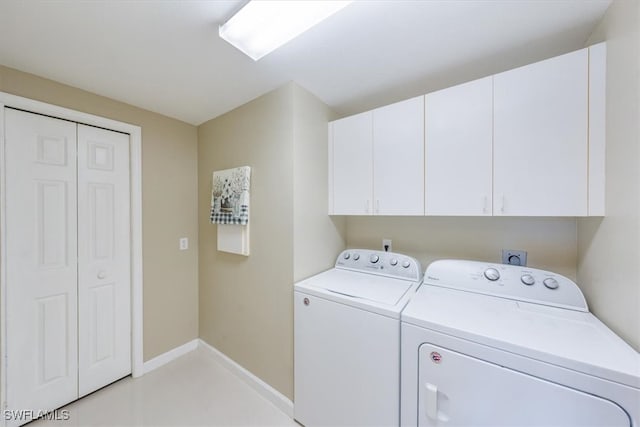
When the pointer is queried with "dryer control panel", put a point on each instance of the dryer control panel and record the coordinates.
(507, 281)
(389, 264)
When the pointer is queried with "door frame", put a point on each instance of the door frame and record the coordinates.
(135, 175)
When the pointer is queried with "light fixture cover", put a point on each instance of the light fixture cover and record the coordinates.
(262, 26)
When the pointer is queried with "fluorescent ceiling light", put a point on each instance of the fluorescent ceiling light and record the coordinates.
(262, 26)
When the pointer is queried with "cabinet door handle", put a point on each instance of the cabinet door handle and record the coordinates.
(366, 209)
(484, 204)
(377, 206)
(502, 208)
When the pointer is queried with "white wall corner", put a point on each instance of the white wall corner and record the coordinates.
(265, 390)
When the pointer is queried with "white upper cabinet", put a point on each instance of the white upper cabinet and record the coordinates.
(526, 142)
(398, 158)
(540, 138)
(458, 153)
(351, 165)
(376, 161)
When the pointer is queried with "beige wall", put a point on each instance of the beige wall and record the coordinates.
(550, 242)
(609, 247)
(169, 150)
(317, 237)
(246, 303)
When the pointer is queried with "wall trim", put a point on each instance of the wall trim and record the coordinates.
(135, 139)
(265, 390)
(170, 356)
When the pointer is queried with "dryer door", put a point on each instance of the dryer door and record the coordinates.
(459, 390)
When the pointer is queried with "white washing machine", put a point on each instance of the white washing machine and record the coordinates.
(499, 345)
(347, 339)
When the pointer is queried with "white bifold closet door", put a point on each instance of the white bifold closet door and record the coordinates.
(68, 260)
(104, 290)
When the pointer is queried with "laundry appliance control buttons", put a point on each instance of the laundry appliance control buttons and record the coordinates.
(551, 283)
(492, 274)
(528, 279)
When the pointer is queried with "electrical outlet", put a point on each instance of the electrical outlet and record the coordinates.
(184, 243)
(386, 245)
(514, 257)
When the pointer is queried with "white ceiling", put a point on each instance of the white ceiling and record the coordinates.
(166, 56)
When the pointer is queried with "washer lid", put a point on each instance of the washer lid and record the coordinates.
(359, 286)
(572, 339)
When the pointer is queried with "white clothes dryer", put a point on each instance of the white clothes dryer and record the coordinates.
(500, 345)
(347, 339)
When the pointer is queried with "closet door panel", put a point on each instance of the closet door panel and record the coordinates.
(41, 254)
(104, 258)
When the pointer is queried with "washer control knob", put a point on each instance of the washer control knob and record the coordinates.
(374, 258)
(551, 283)
(406, 264)
(492, 274)
(528, 279)
(346, 255)
(393, 262)
(356, 257)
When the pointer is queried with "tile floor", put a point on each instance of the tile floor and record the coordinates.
(194, 390)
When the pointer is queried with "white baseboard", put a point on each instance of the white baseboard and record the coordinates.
(262, 388)
(170, 355)
(265, 390)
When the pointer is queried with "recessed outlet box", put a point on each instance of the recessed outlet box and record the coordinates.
(386, 245)
(184, 243)
(514, 257)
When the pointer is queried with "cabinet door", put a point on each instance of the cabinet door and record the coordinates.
(350, 165)
(458, 149)
(398, 158)
(540, 138)
(597, 128)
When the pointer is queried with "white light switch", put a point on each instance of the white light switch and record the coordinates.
(184, 243)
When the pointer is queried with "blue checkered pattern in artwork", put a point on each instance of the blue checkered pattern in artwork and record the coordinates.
(229, 218)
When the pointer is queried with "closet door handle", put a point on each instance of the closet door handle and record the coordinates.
(102, 274)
